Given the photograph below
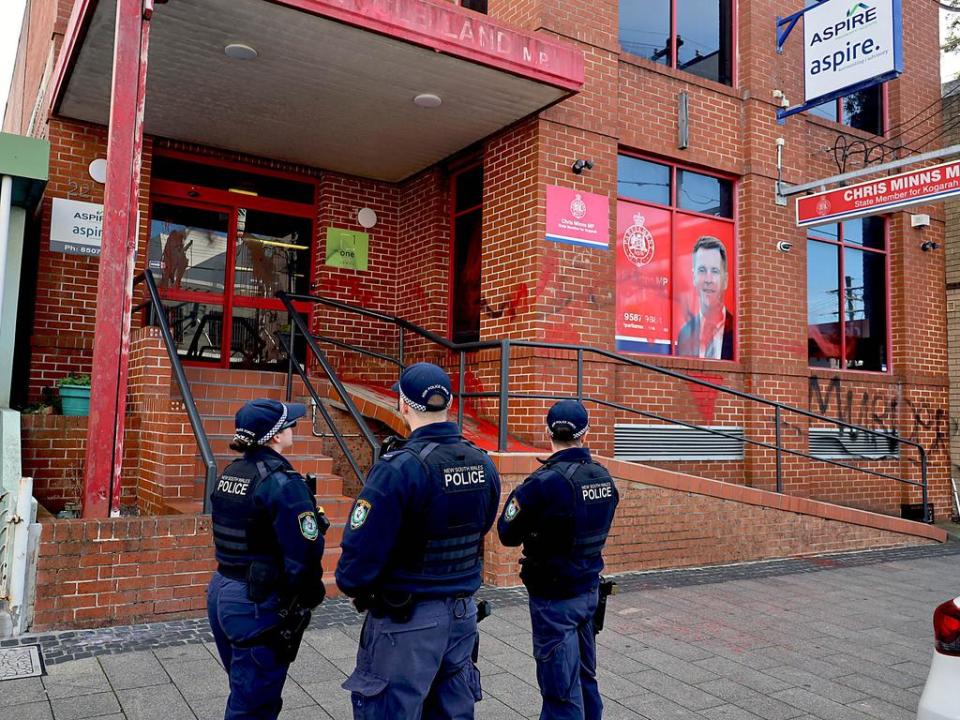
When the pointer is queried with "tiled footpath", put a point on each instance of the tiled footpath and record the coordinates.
(839, 637)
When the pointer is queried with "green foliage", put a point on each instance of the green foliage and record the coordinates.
(75, 379)
(952, 42)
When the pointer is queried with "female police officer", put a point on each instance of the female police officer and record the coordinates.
(562, 515)
(269, 543)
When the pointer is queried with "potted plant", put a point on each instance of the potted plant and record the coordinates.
(75, 394)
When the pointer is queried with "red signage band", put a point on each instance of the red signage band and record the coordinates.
(453, 30)
(917, 187)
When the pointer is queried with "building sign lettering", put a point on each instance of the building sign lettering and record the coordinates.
(918, 187)
(446, 24)
(578, 218)
(76, 227)
(850, 45)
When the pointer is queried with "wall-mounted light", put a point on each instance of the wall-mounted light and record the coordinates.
(427, 100)
(580, 165)
(239, 51)
(98, 171)
(920, 220)
(367, 217)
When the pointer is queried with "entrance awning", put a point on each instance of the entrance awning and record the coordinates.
(333, 83)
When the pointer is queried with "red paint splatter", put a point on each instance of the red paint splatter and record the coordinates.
(705, 397)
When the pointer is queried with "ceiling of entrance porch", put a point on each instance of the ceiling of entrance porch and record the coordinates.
(320, 92)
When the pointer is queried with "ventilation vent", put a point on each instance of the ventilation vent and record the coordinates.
(843, 444)
(675, 442)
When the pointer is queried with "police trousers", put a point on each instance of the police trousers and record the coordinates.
(256, 674)
(565, 649)
(418, 669)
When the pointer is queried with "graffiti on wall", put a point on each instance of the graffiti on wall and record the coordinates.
(561, 302)
(883, 408)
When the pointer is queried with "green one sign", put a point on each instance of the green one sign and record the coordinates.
(347, 249)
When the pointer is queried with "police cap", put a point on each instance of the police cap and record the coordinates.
(567, 420)
(260, 420)
(425, 387)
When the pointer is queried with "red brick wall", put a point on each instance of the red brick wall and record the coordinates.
(560, 294)
(92, 573)
(533, 289)
(65, 310)
(53, 455)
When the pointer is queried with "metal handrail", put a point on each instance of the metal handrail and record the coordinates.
(297, 323)
(196, 422)
(504, 395)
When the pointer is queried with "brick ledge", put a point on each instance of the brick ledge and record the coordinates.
(526, 463)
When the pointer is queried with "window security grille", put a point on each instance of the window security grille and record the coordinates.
(675, 442)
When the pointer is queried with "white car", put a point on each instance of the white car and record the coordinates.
(941, 694)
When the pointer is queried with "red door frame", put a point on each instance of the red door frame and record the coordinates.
(186, 195)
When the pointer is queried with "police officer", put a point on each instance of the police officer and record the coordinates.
(269, 542)
(562, 514)
(411, 556)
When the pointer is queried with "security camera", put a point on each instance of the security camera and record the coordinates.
(580, 165)
(784, 246)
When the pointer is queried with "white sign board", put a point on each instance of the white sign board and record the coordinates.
(76, 227)
(849, 45)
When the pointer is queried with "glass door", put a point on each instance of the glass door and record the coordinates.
(220, 294)
(273, 253)
(188, 252)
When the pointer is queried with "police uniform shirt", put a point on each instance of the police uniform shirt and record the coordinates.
(406, 497)
(562, 521)
(281, 506)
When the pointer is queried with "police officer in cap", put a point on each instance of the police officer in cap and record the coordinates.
(269, 542)
(411, 557)
(561, 515)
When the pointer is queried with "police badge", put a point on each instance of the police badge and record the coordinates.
(512, 510)
(359, 515)
(308, 525)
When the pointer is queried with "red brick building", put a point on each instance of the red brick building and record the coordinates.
(269, 127)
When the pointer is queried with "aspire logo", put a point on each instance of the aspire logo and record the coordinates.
(858, 7)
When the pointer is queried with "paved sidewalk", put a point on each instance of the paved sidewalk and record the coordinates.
(837, 638)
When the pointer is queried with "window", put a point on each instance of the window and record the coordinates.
(675, 264)
(847, 295)
(862, 110)
(479, 6)
(466, 230)
(691, 35)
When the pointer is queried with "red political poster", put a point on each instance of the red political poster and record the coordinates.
(643, 279)
(704, 287)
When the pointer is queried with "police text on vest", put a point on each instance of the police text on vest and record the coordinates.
(463, 478)
(597, 492)
(232, 485)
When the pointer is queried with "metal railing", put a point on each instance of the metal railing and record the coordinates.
(503, 395)
(158, 317)
(288, 342)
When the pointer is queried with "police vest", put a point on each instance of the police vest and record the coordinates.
(442, 538)
(242, 532)
(580, 533)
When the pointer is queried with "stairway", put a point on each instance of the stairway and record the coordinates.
(219, 393)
